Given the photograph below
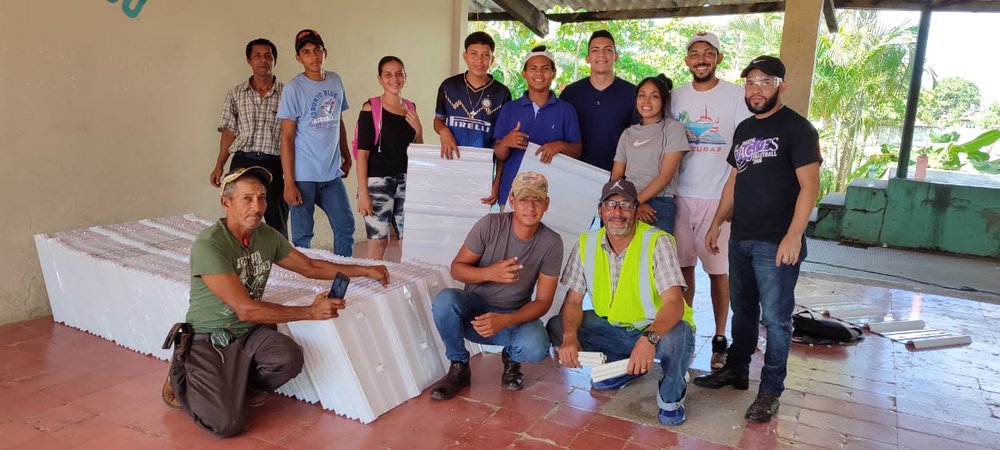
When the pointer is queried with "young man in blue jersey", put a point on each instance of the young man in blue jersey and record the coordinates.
(468, 104)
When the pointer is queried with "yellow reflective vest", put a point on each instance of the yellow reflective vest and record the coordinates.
(635, 301)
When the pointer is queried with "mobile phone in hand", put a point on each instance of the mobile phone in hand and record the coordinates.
(339, 288)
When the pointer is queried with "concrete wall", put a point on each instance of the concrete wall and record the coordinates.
(109, 118)
(957, 219)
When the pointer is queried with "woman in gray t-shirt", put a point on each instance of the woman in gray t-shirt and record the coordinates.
(650, 152)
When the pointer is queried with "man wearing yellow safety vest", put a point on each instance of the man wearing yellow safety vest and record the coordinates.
(631, 272)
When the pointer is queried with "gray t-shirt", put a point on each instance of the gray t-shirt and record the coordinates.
(641, 149)
(493, 239)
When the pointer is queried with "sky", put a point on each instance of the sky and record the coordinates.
(957, 47)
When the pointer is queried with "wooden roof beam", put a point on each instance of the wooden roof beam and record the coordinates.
(526, 13)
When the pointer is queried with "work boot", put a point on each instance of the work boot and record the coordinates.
(724, 377)
(168, 395)
(763, 408)
(512, 379)
(719, 345)
(459, 377)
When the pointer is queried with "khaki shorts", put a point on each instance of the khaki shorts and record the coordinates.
(694, 217)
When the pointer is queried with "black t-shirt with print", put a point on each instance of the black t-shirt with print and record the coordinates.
(766, 153)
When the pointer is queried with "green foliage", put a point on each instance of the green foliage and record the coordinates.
(952, 156)
(991, 116)
(645, 48)
(949, 101)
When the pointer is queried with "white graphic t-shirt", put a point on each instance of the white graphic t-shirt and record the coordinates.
(709, 117)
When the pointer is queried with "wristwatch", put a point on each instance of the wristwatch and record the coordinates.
(652, 336)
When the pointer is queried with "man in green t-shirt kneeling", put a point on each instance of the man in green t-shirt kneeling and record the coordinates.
(229, 346)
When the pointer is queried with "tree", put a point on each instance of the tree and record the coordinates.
(949, 101)
(860, 81)
(645, 48)
(991, 116)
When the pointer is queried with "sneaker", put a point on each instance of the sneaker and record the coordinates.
(672, 418)
(763, 408)
(724, 377)
(459, 376)
(719, 345)
(512, 378)
(168, 395)
(614, 383)
(256, 398)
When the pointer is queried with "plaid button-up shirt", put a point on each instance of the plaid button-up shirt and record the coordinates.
(252, 118)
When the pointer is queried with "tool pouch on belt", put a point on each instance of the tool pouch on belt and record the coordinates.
(179, 337)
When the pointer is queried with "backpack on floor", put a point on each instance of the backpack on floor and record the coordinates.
(808, 329)
(376, 103)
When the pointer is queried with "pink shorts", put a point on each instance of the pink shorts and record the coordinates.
(694, 217)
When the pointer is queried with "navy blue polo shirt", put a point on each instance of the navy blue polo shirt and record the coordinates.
(603, 115)
(555, 121)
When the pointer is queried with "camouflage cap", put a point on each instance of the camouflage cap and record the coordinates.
(530, 183)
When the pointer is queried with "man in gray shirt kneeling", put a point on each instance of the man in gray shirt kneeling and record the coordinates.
(502, 259)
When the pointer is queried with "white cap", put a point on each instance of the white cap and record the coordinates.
(543, 52)
(704, 36)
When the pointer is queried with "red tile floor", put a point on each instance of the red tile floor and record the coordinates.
(63, 388)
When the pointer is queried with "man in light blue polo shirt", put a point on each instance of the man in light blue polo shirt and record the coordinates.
(538, 117)
(312, 136)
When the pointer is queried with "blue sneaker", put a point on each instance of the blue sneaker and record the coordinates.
(614, 383)
(671, 418)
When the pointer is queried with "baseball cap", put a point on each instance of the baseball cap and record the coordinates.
(306, 36)
(538, 51)
(256, 171)
(621, 186)
(706, 37)
(530, 183)
(767, 64)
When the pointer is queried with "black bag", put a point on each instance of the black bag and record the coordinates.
(809, 329)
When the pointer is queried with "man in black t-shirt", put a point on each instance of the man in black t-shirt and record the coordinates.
(769, 195)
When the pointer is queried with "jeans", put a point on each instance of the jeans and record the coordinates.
(331, 196)
(666, 212)
(674, 351)
(760, 292)
(454, 310)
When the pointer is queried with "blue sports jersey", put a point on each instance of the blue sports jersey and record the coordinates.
(470, 113)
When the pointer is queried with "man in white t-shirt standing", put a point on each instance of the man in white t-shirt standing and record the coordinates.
(709, 109)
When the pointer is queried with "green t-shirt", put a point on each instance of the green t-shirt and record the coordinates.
(217, 251)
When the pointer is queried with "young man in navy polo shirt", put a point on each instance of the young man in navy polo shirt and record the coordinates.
(604, 103)
(538, 117)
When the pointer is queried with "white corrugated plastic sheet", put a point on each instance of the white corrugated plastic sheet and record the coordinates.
(130, 282)
(443, 200)
(442, 197)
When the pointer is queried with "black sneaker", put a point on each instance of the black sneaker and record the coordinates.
(459, 377)
(512, 379)
(763, 408)
(724, 377)
(719, 346)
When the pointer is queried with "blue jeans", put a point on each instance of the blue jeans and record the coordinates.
(331, 196)
(760, 292)
(454, 310)
(674, 351)
(666, 212)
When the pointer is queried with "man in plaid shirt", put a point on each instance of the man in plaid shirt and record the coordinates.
(250, 129)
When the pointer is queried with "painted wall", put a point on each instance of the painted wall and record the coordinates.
(109, 109)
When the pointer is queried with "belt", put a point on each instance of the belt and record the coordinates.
(259, 156)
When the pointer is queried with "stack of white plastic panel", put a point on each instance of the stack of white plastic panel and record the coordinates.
(443, 200)
(130, 282)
